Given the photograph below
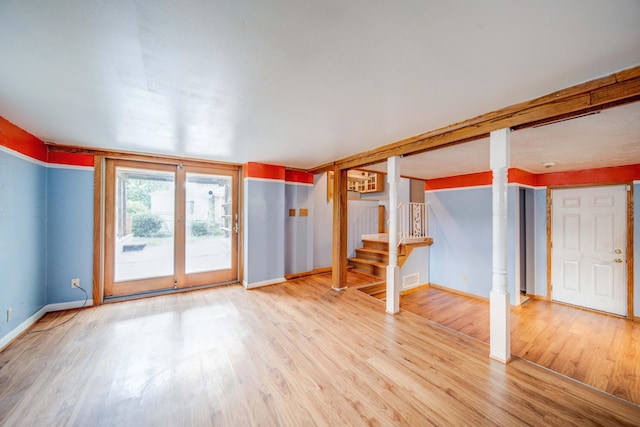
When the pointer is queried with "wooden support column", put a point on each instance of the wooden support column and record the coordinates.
(339, 265)
(98, 229)
(393, 271)
(500, 338)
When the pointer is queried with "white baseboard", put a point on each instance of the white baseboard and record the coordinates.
(263, 283)
(6, 340)
(68, 305)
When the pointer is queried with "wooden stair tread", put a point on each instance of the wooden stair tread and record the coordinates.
(373, 258)
(373, 251)
(375, 287)
(367, 261)
(376, 290)
(375, 244)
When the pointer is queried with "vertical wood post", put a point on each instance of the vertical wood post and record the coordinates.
(98, 229)
(500, 338)
(393, 271)
(339, 264)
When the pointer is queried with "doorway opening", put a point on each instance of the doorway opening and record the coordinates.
(526, 257)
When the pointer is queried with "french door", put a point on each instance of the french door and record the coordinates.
(168, 227)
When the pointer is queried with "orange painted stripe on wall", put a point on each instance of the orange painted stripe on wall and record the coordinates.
(520, 176)
(468, 180)
(610, 175)
(70, 159)
(21, 141)
(17, 139)
(264, 171)
(298, 176)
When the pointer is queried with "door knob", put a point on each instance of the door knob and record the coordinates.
(619, 260)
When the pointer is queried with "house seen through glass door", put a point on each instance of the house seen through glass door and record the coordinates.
(168, 227)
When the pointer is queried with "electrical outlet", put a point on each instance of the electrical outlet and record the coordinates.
(75, 283)
(9, 314)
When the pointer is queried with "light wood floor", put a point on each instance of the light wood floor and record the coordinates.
(597, 349)
(296, 353)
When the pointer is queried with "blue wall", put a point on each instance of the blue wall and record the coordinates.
(322, 223)
(540, 241)
(23, 241)
(264, 256)
(418, 262)
(46, 236)
(298, 229)
(69, 233)
(460, 223)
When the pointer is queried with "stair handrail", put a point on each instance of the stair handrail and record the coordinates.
(413, 221)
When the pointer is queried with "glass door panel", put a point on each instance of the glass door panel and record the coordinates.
(209, 222)
(169, 226)
(211, 218)
(145, 217)
(139, 227)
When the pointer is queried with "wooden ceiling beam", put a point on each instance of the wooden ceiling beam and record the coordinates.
(322, 168)
(152, 158)
(616, 89)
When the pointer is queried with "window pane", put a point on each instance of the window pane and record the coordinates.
(144, 224)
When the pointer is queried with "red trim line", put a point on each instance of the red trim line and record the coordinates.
(16, 139)
(298, 176)
(469, 180)
(21, 141)
(70, 159)
(261, 170)
(523, 177)
(610, 175)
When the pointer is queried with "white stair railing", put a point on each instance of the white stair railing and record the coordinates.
(413, 221)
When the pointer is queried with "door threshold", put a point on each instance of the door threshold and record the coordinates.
(167, 291)
(593, 310)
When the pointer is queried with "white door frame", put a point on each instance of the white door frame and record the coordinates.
(630, 255)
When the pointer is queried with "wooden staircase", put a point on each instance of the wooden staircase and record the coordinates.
(373, 258)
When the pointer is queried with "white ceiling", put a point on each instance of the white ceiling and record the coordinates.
(608, 138)
(299, 83)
